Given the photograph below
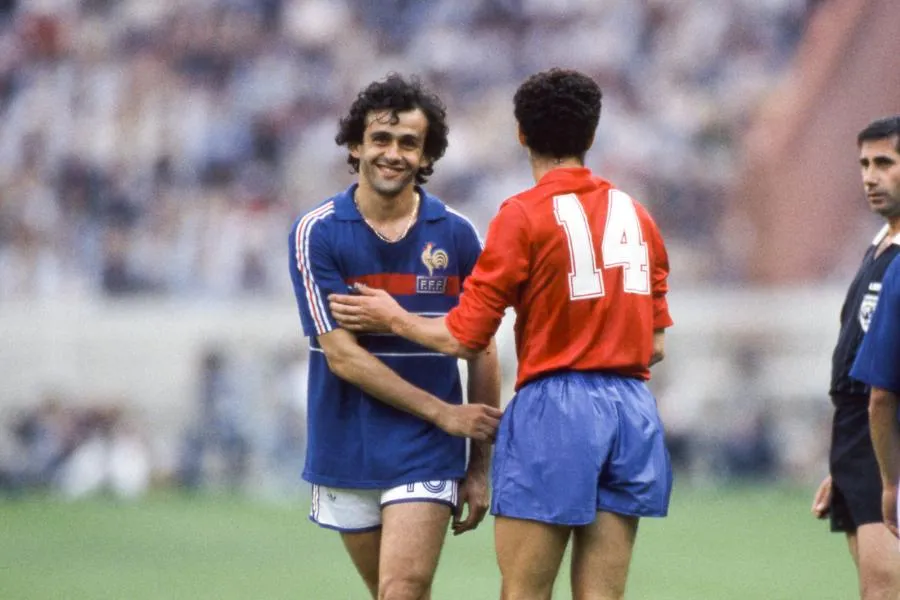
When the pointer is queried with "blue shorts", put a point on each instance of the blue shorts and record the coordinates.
(574, 443)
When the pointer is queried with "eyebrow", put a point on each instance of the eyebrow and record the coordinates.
(406, 137)
(880, 159)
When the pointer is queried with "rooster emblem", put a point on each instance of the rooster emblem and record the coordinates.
(434, 258)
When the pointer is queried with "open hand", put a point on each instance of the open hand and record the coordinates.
(371, 310)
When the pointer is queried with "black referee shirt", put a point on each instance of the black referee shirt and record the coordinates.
(856, 314)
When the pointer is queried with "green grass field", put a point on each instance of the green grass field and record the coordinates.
(727, 543)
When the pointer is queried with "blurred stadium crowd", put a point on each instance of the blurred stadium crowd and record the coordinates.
(244, 430)
(164, 147)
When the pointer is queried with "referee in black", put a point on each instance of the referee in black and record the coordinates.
(851, 494)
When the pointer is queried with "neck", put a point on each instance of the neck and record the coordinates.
(381, 208)
(541, 165)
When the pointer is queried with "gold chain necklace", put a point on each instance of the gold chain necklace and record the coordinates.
(381, 236)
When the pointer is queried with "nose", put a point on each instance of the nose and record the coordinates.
(392, 152)
(870, 178)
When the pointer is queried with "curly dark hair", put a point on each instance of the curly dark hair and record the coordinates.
(558, 112)
(881, 129)
(396, 94)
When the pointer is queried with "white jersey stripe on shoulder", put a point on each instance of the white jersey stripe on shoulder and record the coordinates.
(298, 256)
(313, 293)
(317, 292)
(302, 235)
(472, 225)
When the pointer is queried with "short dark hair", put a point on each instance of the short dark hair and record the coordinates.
(880, 129)
(558, 112)
(396, 94)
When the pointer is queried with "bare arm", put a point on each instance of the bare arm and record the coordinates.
(354, 364)
(886, 442)
(483, 388)
(885, 433)
(659, 346)
(372, 309)
(430, 332)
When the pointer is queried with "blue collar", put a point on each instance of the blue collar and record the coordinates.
(345, 209)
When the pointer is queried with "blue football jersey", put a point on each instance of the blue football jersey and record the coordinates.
(878, 360)
(355, 440)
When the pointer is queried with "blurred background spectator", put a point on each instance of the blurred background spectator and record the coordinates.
(216, 445)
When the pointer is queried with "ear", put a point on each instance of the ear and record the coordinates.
(425, 162)
(354, 150)
(522, 140)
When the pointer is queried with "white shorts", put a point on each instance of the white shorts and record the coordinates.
(354, 510)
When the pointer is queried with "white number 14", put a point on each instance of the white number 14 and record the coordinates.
(623, 246)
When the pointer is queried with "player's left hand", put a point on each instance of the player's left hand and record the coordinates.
(371, 309)
(473, 491)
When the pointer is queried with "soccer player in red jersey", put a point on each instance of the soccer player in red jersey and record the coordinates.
(580, 450)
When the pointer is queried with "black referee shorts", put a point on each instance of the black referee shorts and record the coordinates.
(856, 480)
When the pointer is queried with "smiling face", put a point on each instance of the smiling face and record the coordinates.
(392, 151)
(880, 164)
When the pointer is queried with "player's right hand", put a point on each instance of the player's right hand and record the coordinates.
(822, 500)
(476, 421)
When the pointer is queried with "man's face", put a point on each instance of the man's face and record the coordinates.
(391, 154)
(880, 163)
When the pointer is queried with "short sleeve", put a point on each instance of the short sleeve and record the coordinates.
(494, 283)
(660, 286)
(659, 272)
(878, 360)
(314, 274)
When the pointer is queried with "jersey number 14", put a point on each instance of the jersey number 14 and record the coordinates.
(622, 246)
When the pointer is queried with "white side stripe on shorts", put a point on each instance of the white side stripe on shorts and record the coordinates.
(314, 510)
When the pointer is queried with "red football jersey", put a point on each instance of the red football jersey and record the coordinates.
(585, 268)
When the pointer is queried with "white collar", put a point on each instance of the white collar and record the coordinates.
(882, 233)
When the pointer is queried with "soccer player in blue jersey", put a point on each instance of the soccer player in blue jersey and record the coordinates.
(878, 360)
(386, 449)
